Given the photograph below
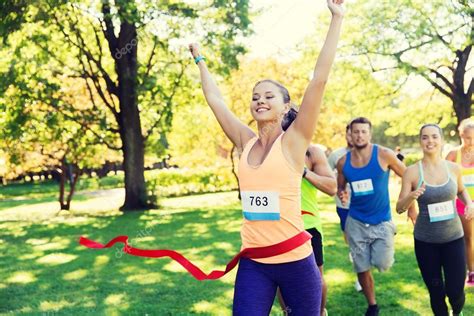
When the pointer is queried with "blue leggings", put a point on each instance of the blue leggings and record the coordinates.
(256, 284)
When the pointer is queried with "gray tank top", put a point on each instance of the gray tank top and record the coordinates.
(438, 220)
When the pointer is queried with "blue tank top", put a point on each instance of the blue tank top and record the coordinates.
(370, 201)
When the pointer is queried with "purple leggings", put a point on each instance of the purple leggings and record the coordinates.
(256, 284)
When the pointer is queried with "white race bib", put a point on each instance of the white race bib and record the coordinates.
(362, 187)
(261, 205)
(441, 211)
(468, 180)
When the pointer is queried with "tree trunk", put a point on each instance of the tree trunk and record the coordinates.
(462, 108)
(69, 173)
(462, 97)
(62, 181)
(130, 126)
(74, 176)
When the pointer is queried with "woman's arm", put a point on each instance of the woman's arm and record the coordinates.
(342, 193)
(238, 133)
(407, 196)
(320, 174)
(305, 123)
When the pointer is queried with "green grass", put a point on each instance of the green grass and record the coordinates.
(28, 193)
(45, 272)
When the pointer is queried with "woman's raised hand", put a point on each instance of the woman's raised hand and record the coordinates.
(335, 6)
(194, 49)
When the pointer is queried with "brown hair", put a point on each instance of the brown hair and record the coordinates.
(360, 120)
(440, 130)
(289, 117)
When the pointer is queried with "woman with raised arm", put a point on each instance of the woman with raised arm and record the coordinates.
(439, 244)
(270, 170)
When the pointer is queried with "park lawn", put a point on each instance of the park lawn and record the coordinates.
(45, 272)
(17, 194)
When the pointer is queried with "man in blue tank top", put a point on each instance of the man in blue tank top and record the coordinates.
(369, 226)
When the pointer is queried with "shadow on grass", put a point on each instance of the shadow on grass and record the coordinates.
(45, 269)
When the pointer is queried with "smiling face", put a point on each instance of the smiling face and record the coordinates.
(431, 140)
(360, 135)
(268, 102)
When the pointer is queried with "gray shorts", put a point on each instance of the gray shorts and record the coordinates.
(371, 245)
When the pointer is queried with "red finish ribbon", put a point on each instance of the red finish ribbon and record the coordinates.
(254, 253)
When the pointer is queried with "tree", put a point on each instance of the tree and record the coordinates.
(40, 140)
(129, 54)
(431, 39)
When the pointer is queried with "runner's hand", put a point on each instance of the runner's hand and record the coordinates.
(194, 49)
(343, 196)
(418, 192)
(335, 6)
(412, 215)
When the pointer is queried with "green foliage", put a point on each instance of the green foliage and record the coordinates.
(196, 139)
(12, 15)
(179, 182)
(402, 122)
(391, 28)
(171, 182)
(412, 158)
(59, 77)
(417, 46)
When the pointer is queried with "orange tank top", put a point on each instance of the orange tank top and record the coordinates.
(271, 203)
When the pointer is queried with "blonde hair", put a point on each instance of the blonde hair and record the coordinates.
(465, 124)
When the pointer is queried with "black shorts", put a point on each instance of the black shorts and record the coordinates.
(317, 243)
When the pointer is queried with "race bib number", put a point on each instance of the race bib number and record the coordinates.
(362, 187)
(261, 205)
(441, 211)
(468, 180)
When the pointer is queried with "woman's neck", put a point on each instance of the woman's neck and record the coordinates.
(431, 159)
(269, 131)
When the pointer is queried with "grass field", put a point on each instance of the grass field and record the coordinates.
(45, 272)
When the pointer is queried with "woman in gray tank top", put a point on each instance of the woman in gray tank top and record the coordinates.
(439, 242)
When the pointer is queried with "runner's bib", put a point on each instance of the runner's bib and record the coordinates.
(362, 187)
(441, 211)
(261, 205)
(468, 180)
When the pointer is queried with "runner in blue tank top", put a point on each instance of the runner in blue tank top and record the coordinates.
(369, 227)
